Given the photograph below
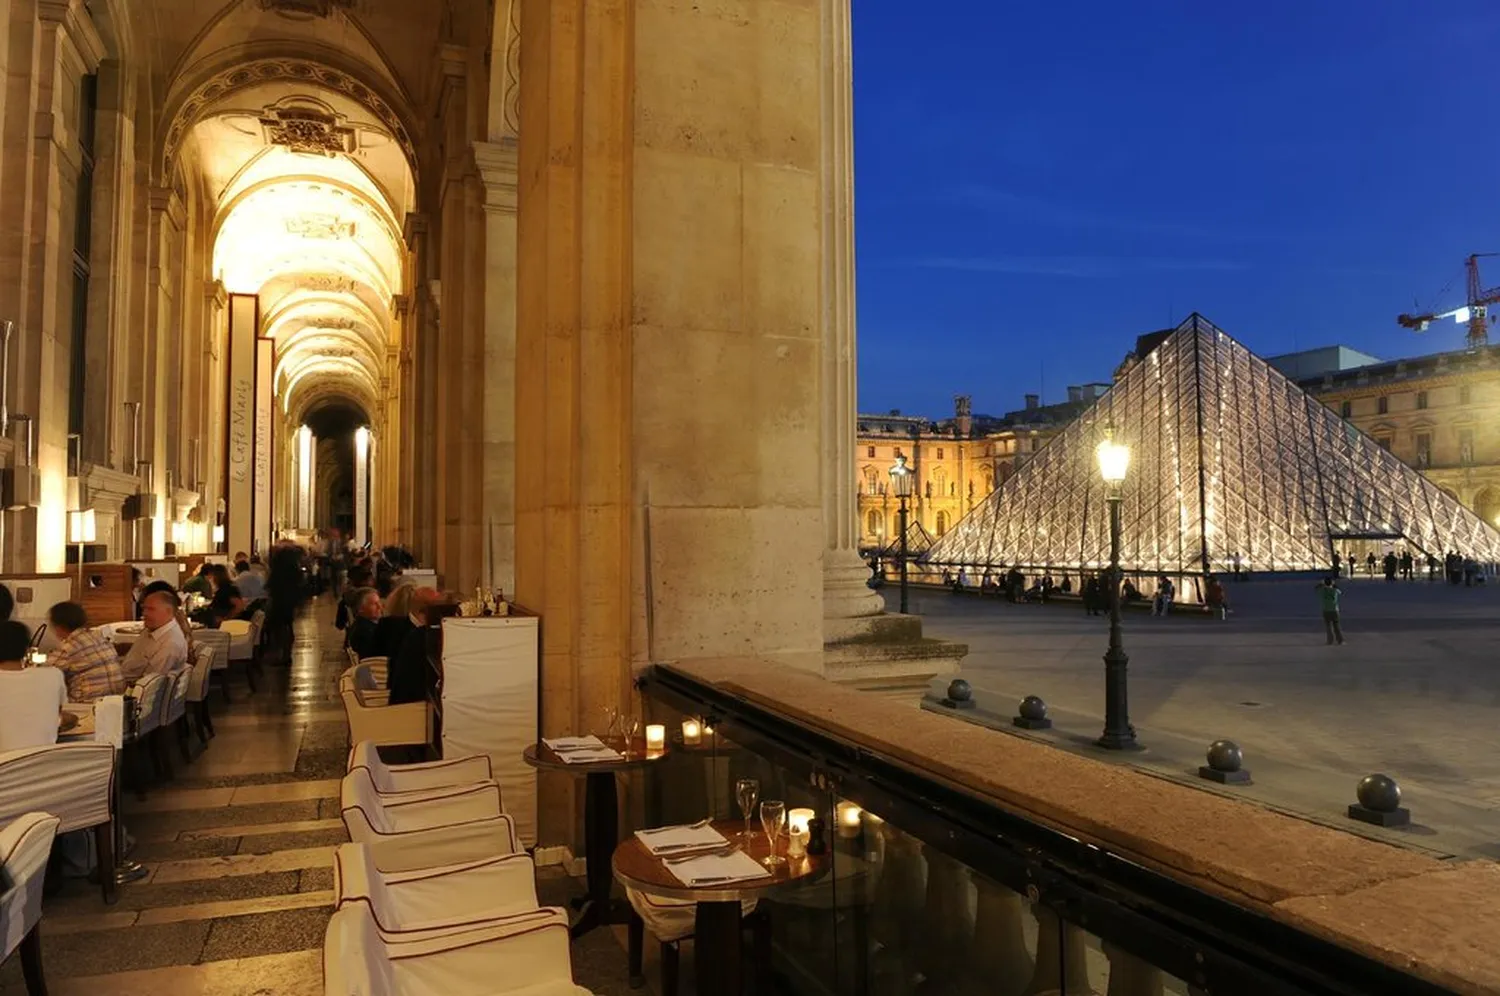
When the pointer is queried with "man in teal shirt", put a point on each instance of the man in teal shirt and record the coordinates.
(1328, 594)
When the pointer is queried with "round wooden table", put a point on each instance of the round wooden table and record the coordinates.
(601, 821)
(718, 947)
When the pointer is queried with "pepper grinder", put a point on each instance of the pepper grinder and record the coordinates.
(817, 840)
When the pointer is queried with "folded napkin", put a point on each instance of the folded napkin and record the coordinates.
(671, 840)
(560, 744)
(589, 755)
(718, 869)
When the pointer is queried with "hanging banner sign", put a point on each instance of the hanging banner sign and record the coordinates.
(244, 317)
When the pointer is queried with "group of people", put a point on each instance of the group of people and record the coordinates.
(1455, 567)
(385, 614)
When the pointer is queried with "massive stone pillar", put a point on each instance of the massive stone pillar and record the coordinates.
(847, 599)
(496, 163)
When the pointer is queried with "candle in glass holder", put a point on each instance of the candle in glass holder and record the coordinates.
(848, 819)
(40, 658)
(798, 819)
(692, 732)
(708, 730)
(656, 737)
(796, 844)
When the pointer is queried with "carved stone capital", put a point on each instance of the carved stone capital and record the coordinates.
(498, 164)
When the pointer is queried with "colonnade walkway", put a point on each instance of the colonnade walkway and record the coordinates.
(239, 847)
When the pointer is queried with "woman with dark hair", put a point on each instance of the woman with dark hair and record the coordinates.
(286, 592)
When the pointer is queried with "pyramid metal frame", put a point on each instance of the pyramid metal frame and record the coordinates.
(1228, 456)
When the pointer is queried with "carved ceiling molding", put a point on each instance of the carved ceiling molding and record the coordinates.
(293, 71)
(308, 130)
(299, 9)
(317, 225)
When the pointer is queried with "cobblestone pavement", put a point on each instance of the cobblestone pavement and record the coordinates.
(1414, 692)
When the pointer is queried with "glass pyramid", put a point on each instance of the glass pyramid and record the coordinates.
(1228, 456)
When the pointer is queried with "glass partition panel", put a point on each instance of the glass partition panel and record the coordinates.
(886, 912)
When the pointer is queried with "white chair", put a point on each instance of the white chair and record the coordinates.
(379, 670)
(524, 955)
(175, 720)
(197, 692)
(420, 830)
(672, 921)
(372, 718)
(453, 898)
(25, 845)
(218, 641)
(74, 782)
(392, 778)
(242, 637)
(152, 696)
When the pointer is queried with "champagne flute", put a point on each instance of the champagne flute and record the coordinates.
(772, 820)
(632, 730)
(746, 792)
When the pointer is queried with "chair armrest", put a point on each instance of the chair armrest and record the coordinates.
(417, 850)
(459, 804)
(438, 774)
(73, 781)
(25, 846)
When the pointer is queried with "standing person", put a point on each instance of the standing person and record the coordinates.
(1239, 565)
(1406, 564)
(1391, 564)
(1370, 563)
(1338, 565)
(1328, 598)
(1216, 598)
(1161, 605)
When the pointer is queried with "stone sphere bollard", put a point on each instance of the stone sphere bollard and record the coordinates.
(1379, 802)
(1380, 793)
(960, 695)
(1226, 764)
(1033, 714)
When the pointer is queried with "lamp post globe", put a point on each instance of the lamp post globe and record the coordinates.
(1114, 465)
(901, 487)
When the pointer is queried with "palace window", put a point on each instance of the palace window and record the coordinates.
(873, 524)
(1421, 401)
(1385, 443)
(942, 523)
(88, 106)
(1465, 394)
(1424, 449)
(1466, 446)
(870, 452)
(940, 452)
(1346, 409)
(872, 481)
(1383, 406)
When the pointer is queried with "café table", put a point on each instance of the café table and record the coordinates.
(718, 942)
(601, 821)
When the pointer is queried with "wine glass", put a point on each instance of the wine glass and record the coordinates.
(746, 792)
(610, 717)
(772, 820)
(632, 728)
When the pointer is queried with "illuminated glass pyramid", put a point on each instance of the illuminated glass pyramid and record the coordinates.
(1228, 456)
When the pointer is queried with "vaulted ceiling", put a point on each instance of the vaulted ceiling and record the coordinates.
(299, 120)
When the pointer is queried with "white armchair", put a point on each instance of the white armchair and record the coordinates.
(25, 845)
(421, 830)
(451, 899)
(393, 778)
(197, 692)
(242, 638)
(175, 721)
(218, 641)
(75, 783)
(526, 954)
(372, 718)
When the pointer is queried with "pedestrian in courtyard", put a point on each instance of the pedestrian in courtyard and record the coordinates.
(1239, 564)
(1391, 564)
(1338, 565)
(1161, 605)
(1216, 598)
(1093, 595)
(1370, 563)
(1406, 564)
(1328, 597)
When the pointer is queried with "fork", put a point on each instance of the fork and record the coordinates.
(716, 852)
(696, 826)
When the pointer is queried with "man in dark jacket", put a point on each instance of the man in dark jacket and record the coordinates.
(363, 634)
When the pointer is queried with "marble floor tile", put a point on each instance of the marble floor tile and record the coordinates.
(249, 830)
(296, 974)
(241, 864)
(254, 795)
(233, 908)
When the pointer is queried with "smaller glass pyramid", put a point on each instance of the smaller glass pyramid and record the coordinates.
(1228, 457)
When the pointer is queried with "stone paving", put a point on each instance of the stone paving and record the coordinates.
(240, 850)
(1414, 692)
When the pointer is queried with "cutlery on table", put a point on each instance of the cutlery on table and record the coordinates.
(696, 826)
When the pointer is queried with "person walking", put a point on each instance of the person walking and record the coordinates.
(1216, 598)
(1328, 596)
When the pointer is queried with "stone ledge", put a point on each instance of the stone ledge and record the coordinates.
(1304, 874)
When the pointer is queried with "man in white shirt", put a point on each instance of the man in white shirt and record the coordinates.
(31, 699)
(162, 647)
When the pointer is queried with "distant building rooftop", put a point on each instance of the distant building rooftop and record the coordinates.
(1320, 362)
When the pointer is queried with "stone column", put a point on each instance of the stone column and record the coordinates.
(847, 600)
(497, 164)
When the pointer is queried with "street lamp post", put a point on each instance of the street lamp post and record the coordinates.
(1114, 461)
(901, 485)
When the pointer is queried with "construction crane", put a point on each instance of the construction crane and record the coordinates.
(1475, 313)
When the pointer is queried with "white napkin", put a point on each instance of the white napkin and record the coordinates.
(574, 743)
(588, 755)
(718, 869)
(670, 840)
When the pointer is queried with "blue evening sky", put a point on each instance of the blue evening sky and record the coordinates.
(1037, 183)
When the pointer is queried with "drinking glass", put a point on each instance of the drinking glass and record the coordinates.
(632, 728)
(772, 820)
(746, 792)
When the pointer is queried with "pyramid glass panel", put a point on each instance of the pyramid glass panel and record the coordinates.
(1229, 457)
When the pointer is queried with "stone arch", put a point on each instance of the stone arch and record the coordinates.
(1487, 504)
(237, 70)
